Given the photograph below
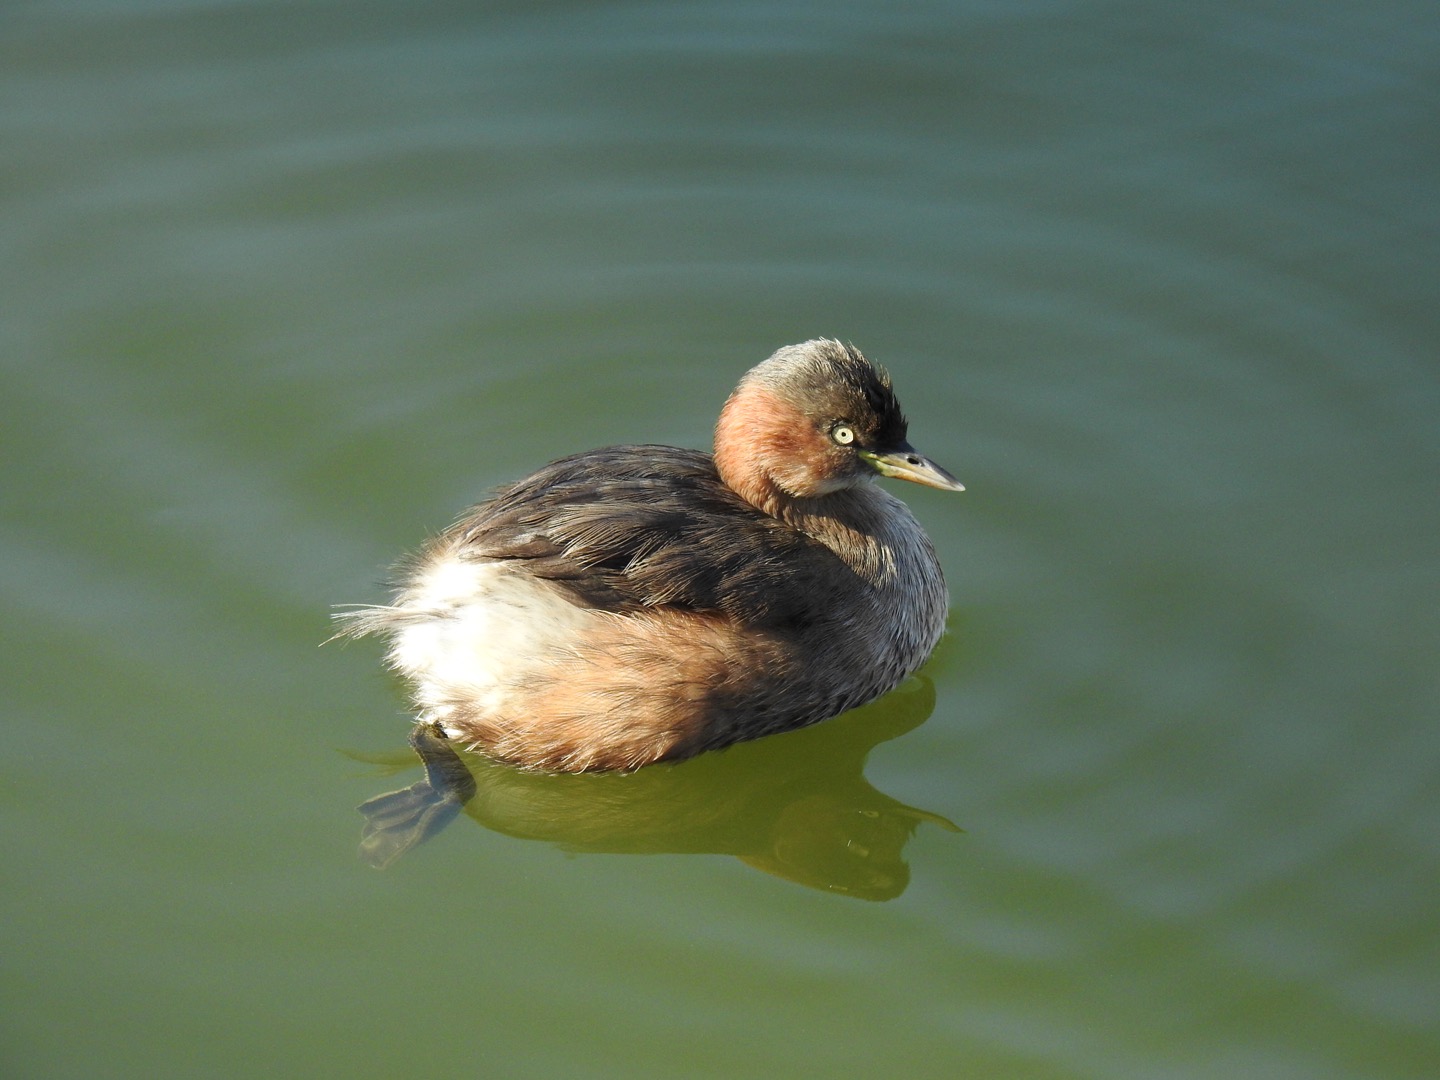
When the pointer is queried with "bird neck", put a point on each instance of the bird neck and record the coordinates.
(760, 453)
(758, 443)
(859, 524)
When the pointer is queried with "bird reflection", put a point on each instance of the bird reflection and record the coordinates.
(795, 805)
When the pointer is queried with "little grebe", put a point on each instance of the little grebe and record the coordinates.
(645, 603)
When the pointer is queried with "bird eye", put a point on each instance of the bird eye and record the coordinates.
(843, 434)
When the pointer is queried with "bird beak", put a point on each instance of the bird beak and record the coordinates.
(903, 463)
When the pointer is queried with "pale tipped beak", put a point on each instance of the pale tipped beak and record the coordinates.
(903, 463)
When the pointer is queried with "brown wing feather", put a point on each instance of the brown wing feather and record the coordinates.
(631, 527)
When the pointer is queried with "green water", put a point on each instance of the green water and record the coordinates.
(283, 288)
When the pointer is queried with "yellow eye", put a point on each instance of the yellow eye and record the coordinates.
(843, 435)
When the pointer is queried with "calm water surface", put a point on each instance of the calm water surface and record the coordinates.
(285, 287)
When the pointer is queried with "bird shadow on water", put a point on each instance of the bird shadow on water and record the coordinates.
(795, 805)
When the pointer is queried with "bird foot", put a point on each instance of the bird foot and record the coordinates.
(397, 821)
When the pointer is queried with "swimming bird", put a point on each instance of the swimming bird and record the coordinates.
(638, 604)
